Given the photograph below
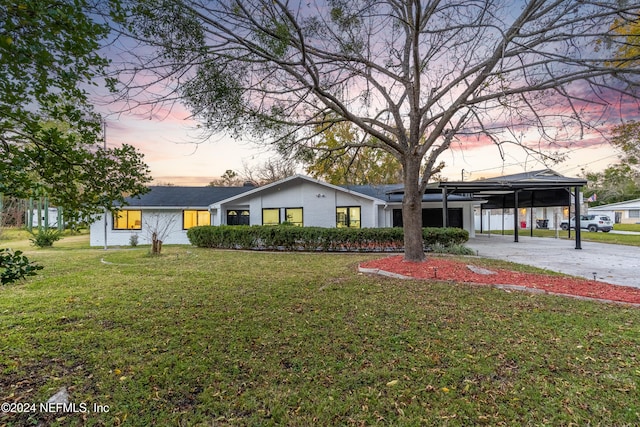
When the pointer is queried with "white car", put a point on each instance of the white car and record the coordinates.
(591, 223)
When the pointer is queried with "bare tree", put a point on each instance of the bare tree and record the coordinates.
(158, 226)
(272, 170)
(416, 75)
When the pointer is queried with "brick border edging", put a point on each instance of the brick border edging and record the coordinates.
(502, 287)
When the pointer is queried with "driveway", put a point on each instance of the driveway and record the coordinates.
(617, 264)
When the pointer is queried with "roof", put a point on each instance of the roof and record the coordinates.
(534, 189)
(627, 204)
(534, 180)
(173, 196)
(394, 193)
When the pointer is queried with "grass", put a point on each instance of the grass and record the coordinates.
(627, 227)
(204, 337)
(585, 235)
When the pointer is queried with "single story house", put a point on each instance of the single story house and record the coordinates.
(627, 212)
(170, 211)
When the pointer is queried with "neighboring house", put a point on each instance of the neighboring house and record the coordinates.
(46, 218)
(621, 213)
(299, 200)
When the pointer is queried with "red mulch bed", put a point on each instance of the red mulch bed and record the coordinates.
(439, 268)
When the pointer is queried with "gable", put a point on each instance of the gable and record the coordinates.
(297, 186)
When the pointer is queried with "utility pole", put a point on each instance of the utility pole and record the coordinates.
(104, 140)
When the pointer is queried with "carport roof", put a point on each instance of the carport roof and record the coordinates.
(535, 189)
(535, 180)
(394, 193)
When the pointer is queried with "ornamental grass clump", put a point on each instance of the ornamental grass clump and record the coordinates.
(45, 238)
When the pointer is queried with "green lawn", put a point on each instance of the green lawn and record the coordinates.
(619, 239)
(204, 337)
(627, 227)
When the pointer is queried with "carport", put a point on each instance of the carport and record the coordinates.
(543, 188)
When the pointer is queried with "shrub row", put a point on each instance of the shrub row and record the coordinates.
(290, 238)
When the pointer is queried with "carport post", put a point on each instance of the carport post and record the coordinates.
(576, 194)
(531, 215)
(515, 215)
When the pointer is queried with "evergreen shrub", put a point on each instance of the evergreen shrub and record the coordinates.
(317, 238)
(14, 266)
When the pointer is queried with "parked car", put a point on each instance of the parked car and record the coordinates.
(591, 223)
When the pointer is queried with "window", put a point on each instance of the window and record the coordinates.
(195, 218)
(238, 217)
(348, 217)
(271, 216)
(634, 213)
(294, 216)
(127, 220)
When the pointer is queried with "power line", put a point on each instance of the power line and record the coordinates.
(522, 163)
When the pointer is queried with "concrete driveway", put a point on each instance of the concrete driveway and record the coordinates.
(615, 264)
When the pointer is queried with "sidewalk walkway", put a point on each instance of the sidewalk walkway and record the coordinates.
(616, 264)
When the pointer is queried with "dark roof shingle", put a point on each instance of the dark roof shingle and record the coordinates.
(172, 196)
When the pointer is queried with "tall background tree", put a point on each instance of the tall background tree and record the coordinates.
(415, 76)
(340, 158)
(50, 137)
(621, 181)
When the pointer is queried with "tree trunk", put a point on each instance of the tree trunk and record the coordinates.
(412, 211)
(156, 245)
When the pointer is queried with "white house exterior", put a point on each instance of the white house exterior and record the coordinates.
(621, 213)
(300, 200)
(167, 210)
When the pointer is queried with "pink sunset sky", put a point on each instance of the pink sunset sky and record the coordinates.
(176, 155)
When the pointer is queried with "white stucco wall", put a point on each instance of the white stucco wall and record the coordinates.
(168, 224)
(318, 204)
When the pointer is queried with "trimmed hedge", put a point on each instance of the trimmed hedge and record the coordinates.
(290, 238)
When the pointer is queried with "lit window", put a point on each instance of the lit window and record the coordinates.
(271, 216)
(294, 216)
(127, 220)
(195, 218)
(348, 217)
